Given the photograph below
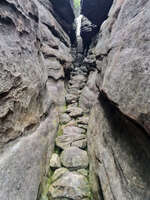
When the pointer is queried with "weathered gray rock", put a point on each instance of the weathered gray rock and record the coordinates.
(70, 98)
(83, 126)
(25, 161)
(65, 118)
(115, 144)
(75, 111)
(55, 69)
(71, 123)
(74, 158)
(66, 141)
(84, 172)
(70, 106)
(83, 120)
(55, 161)
(34, 50)
(71, 139)
(67, 130)
(89, 93)
(126, 76)
(59, 173)
(115, 141)
(82, 144)
(72, 136)
(71, 185)
(78, 79)
(74, 91)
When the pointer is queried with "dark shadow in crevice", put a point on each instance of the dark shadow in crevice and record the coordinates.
(134, 148)
(96, 11)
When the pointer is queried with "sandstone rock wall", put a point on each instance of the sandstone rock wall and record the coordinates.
(34, 51)
(118, 132)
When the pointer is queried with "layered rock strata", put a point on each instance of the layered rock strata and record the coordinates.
(34, 52)
(118, 134)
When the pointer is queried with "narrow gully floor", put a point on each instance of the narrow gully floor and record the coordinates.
(69, 176)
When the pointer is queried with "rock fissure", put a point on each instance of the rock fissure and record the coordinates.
(71, 161)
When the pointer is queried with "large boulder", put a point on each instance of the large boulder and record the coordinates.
(125, 78)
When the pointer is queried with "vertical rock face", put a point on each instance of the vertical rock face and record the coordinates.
(63, 12)
(94, 12)
(119, 124)
(34, 51)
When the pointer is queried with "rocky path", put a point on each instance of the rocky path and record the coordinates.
(69, 164)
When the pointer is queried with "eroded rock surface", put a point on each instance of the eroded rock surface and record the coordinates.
(34, 51)
(118, 140)
(74, 158)
(71, 185)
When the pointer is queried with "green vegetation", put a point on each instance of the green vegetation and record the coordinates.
(76, 3)
(44, 195)
(60, 131)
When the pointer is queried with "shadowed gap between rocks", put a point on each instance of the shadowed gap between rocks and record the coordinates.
(134, 142)
(94, 14)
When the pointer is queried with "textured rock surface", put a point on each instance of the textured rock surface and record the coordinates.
(72, 185)
(34, 60)
(118, 145)
(65, 118)
(34, 51)
(75, 111)
(71, 139)
(119, 154)
(94, 13)
(124, 45)
(55, 161)
(74, 158)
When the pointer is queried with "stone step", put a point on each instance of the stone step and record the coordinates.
(68, 140)
(74, 158)
(70, 98)
(70, 185)
(75, 112)
(72, 130)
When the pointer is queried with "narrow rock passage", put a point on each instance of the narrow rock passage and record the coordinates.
(69, 164)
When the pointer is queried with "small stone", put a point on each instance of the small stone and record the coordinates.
(84, 172)
(83, 120)
(75, 111)
(74, 158)
(71, 185)
(58, 173)
(70, 98)
(65, 118)
(55, 161)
